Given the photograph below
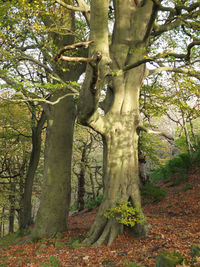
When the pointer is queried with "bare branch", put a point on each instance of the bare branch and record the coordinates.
(76, 59)
(37, 62)
(71, 47)
(73, 8)
(142, 128)
(86, 13)
(164, 54)
(196, 42)
(38, 99)
(190, 72)
(176, 18)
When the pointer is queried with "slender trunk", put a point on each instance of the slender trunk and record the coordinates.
(193, 133)
(12, 208)
(188, 142)
(92, 186)
(21, 193)
(2, 222)
(26, 218)
(81, 186)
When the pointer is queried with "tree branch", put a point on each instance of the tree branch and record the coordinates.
(142, 128)
(76, 59)
(38, 99)
(73, 8)
(190, 72)
(71, 47)
(176, 16)
(164, 54)
(86, 13)
(196, 42)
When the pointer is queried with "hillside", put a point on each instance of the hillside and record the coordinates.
(175, 224)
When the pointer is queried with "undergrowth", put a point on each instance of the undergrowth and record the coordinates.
(152, 192)
(176, 170)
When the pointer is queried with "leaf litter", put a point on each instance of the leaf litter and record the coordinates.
(175, 222)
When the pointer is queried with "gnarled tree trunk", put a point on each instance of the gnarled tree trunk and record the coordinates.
(121, 176)
(118, 126)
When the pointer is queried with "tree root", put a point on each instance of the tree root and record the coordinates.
(104, 233)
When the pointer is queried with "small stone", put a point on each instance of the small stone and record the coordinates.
(122, 253)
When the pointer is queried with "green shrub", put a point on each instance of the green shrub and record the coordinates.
(129, 263)
(154, 192)
(187, 187)
(175, 168)
(170, 259)
(73, 207)
(76, 242)
(195, 250)
(91, 203)
(157, 175)
(52, 261)
(9, 239)
(195, 157)
(124, 213)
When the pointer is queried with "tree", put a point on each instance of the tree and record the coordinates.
(26, 56)
(14, 152)
(116, 64)
(87, 166)
(56, 193)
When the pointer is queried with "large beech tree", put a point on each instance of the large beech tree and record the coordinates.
(55, 200)
(30, 33)
(116, 64)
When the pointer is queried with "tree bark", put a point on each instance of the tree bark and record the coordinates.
(55, 201)
(25, 214)
(121, 177)
(81, 180)
(12, 207)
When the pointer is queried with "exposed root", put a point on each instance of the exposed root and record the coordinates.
(139, 230)
(104, 233)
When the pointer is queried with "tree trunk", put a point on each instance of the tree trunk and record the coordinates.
(12, 208)
(26, 218)
(2, 222)
(123, 77)
(121, 177)
(81, 184)
(92, 186)
(55, 201)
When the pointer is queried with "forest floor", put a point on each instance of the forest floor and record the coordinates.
(175, 224)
